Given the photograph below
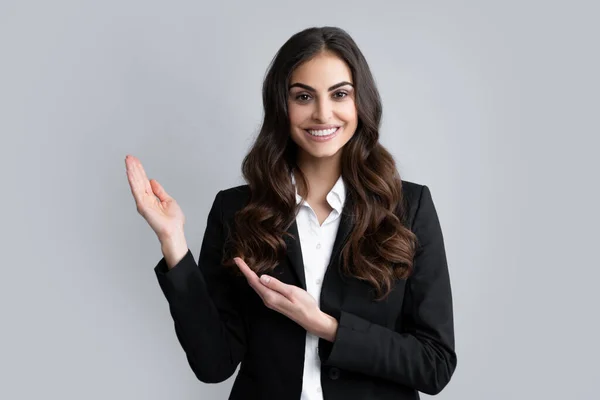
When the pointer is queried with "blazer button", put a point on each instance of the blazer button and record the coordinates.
(334, 373)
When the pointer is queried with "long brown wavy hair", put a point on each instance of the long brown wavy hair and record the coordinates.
(380, 245)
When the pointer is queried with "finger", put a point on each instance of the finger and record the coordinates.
(133, 176)
(251, 276)
(134, 185)
(248, 273)
(142, 177)
(268, 295)
(140, 186)
(276, 285)
(159, 191)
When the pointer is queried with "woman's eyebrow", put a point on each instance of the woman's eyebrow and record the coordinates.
(310, 89)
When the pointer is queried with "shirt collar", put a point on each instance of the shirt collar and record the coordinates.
(335, 197)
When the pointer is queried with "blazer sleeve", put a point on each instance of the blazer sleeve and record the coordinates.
(421, 354)
(205, 306)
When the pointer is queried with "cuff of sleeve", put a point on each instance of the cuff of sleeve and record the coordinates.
(349, 339)
(178, 276)
(163, 269)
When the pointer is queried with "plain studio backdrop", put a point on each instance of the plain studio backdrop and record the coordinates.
(493, 105)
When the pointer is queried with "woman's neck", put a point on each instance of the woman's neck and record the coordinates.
(321, 174)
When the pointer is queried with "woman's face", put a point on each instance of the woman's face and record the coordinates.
(321, 106)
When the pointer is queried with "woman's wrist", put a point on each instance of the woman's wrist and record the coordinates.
(327, 327)
(174, 247)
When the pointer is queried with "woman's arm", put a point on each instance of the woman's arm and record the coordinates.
(421, 355)
(205, 305)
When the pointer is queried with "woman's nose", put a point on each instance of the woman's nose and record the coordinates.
(323, 111)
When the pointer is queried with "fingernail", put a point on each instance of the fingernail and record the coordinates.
(265, 278)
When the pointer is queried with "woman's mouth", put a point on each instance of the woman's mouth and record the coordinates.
(322, 135)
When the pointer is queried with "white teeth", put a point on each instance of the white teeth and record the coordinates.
(324, 132)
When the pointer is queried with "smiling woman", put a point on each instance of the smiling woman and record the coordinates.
(325, 275)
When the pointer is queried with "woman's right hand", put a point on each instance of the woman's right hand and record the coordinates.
(163, 214)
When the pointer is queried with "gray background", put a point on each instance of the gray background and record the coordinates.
(493, 105)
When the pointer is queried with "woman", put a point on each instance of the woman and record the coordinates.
(325, 276)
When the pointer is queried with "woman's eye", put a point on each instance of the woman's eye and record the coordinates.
(303, 97)
(306, 97)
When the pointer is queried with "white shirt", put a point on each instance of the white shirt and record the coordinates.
(316, 242)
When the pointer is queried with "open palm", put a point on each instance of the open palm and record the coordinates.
(160, 210)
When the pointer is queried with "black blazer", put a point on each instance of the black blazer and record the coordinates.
(383, 350)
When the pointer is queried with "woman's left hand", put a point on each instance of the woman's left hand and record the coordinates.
(291, 301)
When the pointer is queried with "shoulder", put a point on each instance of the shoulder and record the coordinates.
(233, 198)
(411, 189)
(235, 191)
(412, 195)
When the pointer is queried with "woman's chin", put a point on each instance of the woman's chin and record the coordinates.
(323, 152)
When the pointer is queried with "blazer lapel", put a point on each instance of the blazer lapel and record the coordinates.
(294, 250)
(294, 254)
